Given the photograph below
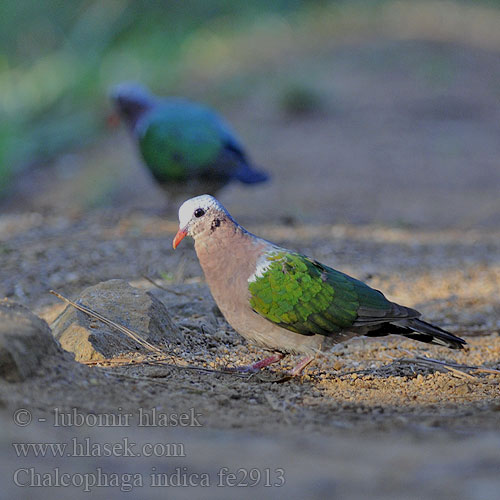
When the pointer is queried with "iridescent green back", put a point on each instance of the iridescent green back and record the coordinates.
(307, 297)
(177, 141)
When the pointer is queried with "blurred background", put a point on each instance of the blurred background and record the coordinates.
(364, 112)
(379, 122)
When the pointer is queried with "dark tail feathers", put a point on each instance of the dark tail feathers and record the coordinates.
(249, 175)
(422, 331)
(425, 332)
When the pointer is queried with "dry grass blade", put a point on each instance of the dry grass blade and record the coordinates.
(450, 365)
(161, 287)
(159, 362)
(487, 370)
(453, 368)
(137, 378)
(445, 363)
(114, 361)
(127, 362)
(127, 331)
(460, 373)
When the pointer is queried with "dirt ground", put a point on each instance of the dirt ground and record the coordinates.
(395, 180)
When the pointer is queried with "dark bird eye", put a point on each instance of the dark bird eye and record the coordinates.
(199, 212)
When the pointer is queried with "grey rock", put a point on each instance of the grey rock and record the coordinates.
(25, 341)
(91, 340)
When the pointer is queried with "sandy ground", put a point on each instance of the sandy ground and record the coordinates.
(395, 181)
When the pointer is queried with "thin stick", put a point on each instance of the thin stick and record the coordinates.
(114, 361)
(487, 370)
(445, 363)
(126, 362)
(141, 379)
(159, 362)
(457, 365)
(460, 373)
(442, 364)
(130, 333)
(157, 285)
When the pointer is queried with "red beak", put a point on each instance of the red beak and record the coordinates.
(179, 237)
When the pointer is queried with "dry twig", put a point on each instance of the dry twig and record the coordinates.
(135, 336)
(161, 287)
(455, 368)
(127, 331)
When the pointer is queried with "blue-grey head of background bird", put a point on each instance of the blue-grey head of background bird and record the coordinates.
(188, 147)
(132, 100)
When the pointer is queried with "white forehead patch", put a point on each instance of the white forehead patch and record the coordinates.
(205, 201)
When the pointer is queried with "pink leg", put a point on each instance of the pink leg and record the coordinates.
(298, 369)
(255, 367)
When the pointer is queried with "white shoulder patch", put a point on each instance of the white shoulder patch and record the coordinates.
(263, 264)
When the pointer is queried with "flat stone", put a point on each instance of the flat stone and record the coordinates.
(92, 340)
(25, 341)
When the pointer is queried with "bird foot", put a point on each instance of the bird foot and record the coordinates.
(297, 370)
(256, 367)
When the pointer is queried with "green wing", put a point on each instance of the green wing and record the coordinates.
(307, 297)
(179, 141)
